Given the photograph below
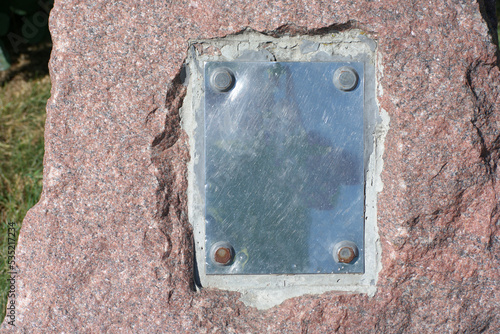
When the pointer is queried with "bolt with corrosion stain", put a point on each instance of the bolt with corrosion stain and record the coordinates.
(222, 253)
(345, 252)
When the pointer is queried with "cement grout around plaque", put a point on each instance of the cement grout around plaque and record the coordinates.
(265, 291)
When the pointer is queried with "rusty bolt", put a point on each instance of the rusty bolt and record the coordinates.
(345, 252)
(222, 253)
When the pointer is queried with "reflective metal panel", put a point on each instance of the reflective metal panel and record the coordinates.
(284, 170)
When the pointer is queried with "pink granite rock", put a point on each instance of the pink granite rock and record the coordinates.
(109, 247)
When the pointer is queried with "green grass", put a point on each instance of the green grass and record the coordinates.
(22, 118)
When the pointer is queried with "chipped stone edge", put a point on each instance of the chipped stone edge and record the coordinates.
(266, 291)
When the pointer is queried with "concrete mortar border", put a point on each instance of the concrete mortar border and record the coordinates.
(265, 291)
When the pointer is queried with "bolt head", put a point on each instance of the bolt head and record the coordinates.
(345, 252)
(222, 79)
(222, 253)
(345, 78)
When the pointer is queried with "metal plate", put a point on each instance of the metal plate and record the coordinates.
(283, 167)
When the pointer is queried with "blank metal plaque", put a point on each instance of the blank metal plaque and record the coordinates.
(283, 167)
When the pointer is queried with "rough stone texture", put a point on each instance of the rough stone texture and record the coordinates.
(109, 249)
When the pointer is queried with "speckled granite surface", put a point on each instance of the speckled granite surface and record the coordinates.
(109, 247)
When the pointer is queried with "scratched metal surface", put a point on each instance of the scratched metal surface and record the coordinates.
(283, 167)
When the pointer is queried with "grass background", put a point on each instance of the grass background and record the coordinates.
(24, 91)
